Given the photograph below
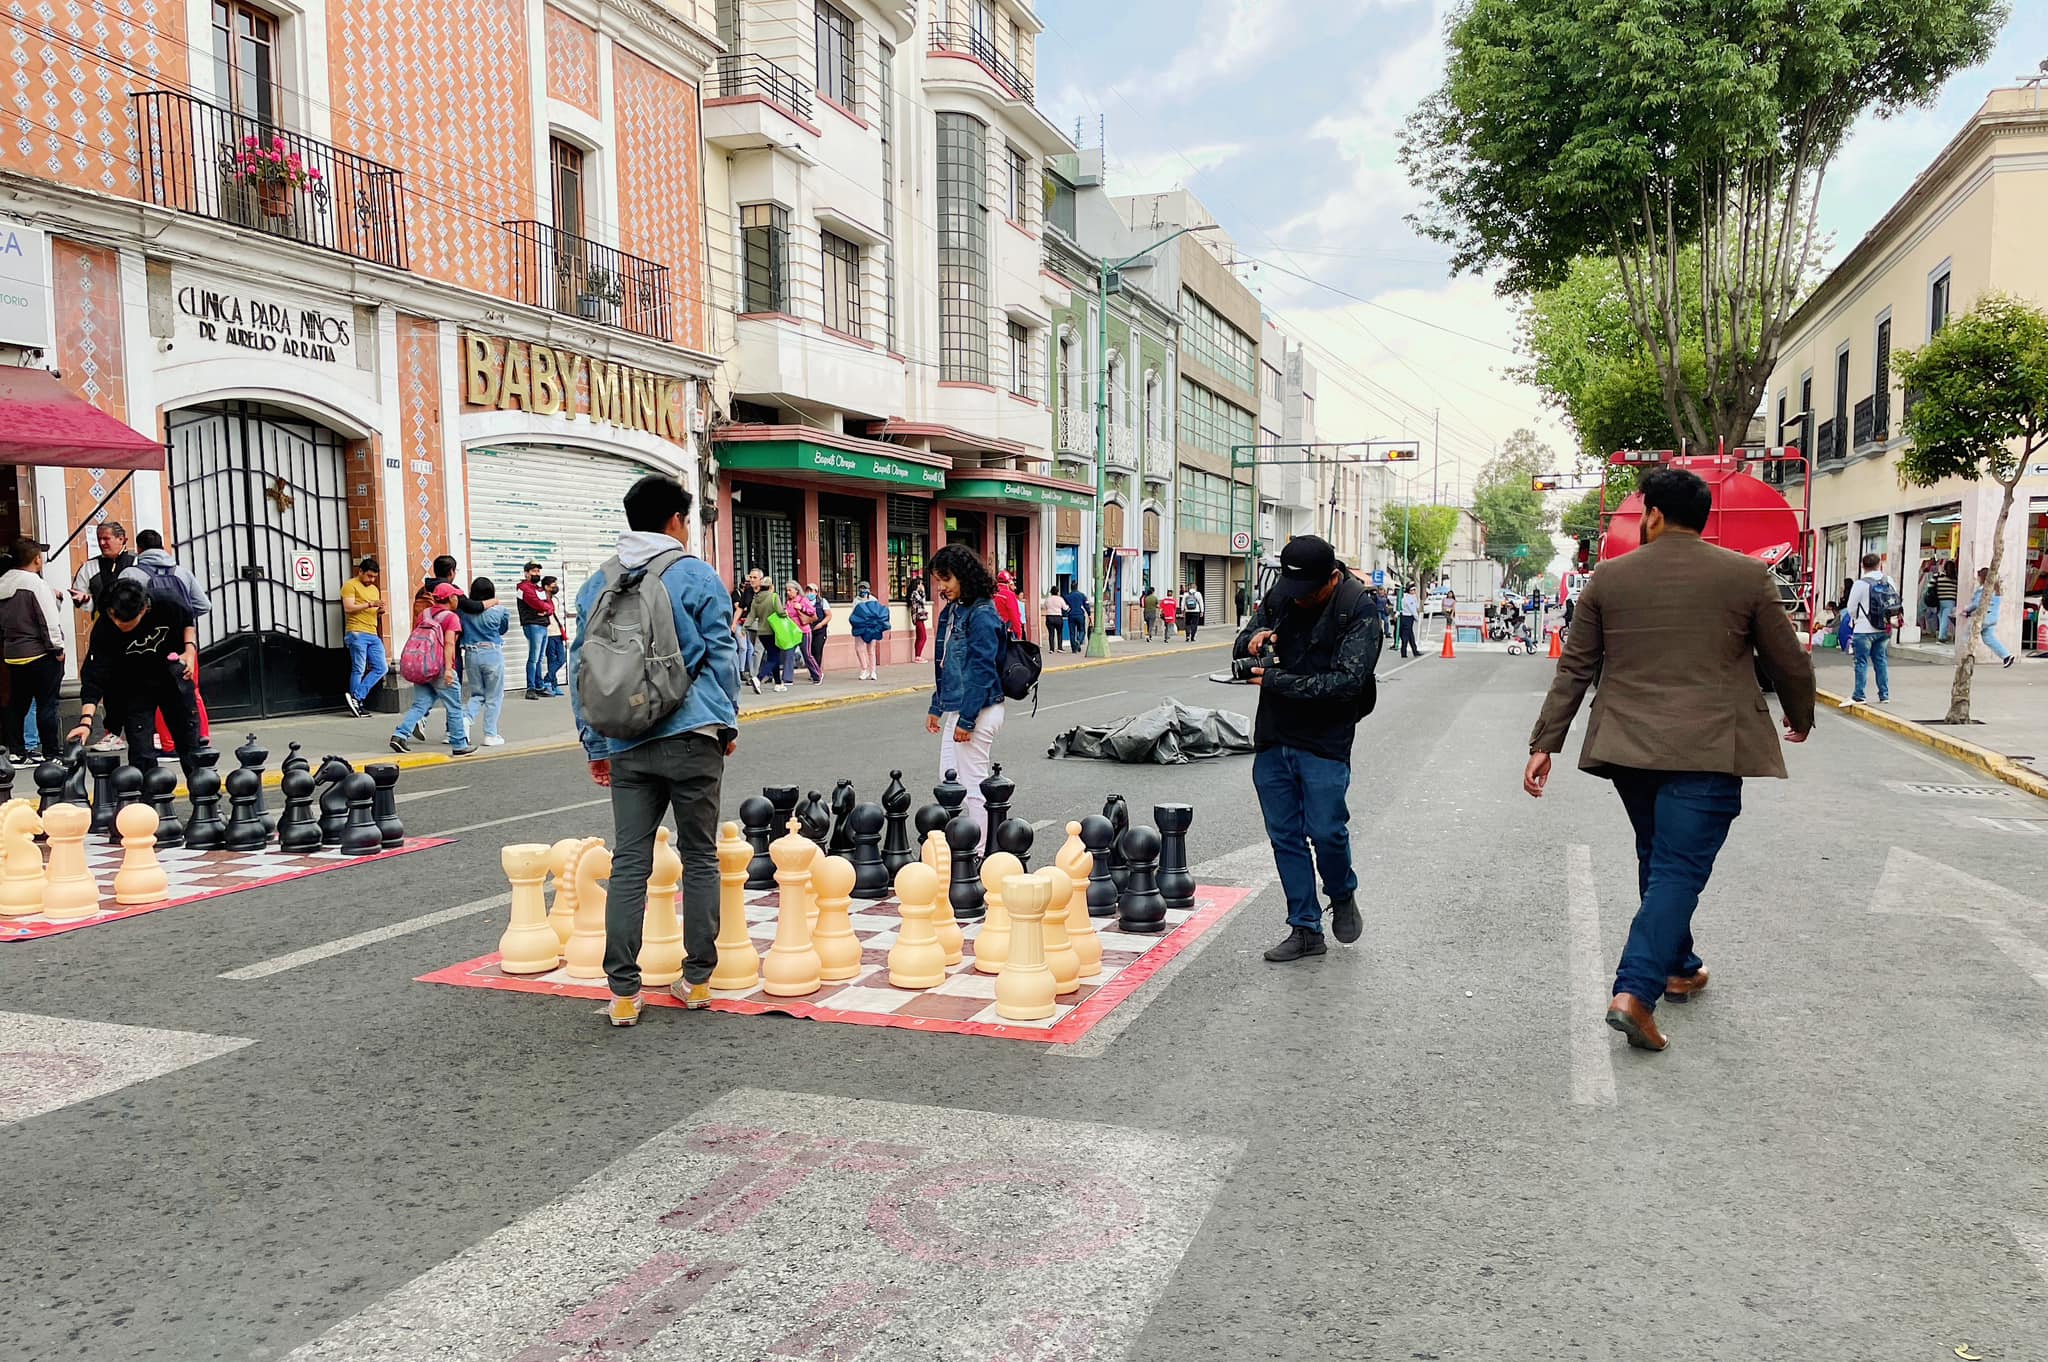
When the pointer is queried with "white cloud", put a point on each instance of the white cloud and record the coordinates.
(1156, 172)
(1228, 39)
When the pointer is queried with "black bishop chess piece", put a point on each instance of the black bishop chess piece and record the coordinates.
(965, 893)
(102, 765)
(333, 798)
(784, 799)
(360, 837)
(1141, 909)
(1118, 811)
(843, 800)
(50, 778)
(813, 819)
(299, 829)
(950, 795)
(160, 788)
(127, 783)
(1176, 885)
(1014, 836)
(1096, 834)
(996, 792)
(756, 814)
(293, 761)
(205, 832)
(897, 850)
(245, 831)
(871, 878)
(385, 804)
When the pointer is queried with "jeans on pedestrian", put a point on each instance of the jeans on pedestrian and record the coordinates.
(750, 652)
(1077, 633)
(1302, 797)
(1408, 644)
(778, 665)
(35, 686)
(448, 695)
(1990, 628)
(1945, 622)
(815, 650)
(367, 664)
(969, 761)
(483, 686)
(678, 775)
(1681, 819)
(1874, 649)
(558, 657)
(536, 656)
(1190, 623)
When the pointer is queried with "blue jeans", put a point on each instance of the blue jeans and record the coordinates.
(424, 698)
(1874, 648)
(1302, 798)
(1077, 632)
(558, 654)
(483, 686)
(536, 655)
(1681, 819)
(366, 664)
(750, 651)
(1945, 620)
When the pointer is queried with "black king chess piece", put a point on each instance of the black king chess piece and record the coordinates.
(1141, 909)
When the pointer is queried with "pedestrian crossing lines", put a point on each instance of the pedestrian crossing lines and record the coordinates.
(50, 1063)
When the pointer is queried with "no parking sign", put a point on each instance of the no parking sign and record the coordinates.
(304, 572)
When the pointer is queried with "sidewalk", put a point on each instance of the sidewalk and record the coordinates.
(2009, 706)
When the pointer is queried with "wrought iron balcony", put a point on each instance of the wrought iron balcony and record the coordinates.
(1123, 446)
(1866, 422)
(1158, 458)
(962, 39)
(566, 273)
(1076, 432)
(1826, 447)
(749, 73)
(215, 163)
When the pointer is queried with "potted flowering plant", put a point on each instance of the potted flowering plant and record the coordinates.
(274, 171)
(600, 291)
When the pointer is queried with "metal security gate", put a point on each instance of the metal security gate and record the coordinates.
(254, 488)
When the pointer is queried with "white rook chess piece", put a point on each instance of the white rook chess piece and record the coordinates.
(939, 857)
(792, 968)
(21, 883)
(917, 960)
(528, 945)
(562, 865)
(831, 933)
(1025, 990)
(141, 878)
(71, 893)
(661, 942)
(992, 943)
(584, 958)
(1060, 956)
(739, 963)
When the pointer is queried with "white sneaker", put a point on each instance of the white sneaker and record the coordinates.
(113, 742)
(780, 688)
(494, 740)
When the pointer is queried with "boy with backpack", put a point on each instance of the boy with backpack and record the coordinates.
(1874, 611)
(428, 661)
(654, 685)
(170, 581)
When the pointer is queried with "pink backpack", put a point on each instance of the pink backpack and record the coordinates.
(424, 660)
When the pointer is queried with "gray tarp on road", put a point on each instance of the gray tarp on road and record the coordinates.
(1170, 735)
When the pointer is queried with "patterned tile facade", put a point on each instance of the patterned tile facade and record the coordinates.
(572, 63)
(66, 68)
(660, 190)
(419, 407)
(87, 284)
(363, 467)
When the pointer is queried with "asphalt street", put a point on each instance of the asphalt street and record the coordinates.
(1425, 1146)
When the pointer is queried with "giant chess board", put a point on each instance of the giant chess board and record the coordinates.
(198, 875)
(963, 1005)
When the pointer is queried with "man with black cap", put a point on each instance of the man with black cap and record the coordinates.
(1314, 641)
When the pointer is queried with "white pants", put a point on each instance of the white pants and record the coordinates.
(969, 761)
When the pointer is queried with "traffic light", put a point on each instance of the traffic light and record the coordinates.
(1403, 453)
(1539, 483)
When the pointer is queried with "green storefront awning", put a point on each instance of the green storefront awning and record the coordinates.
(999, 489)
(801, 456)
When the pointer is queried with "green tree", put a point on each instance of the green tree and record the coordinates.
(1514, 515)
(1581, 519)
(1632, 129)
(1418, 535)
(1588, 361)
(1979, 410)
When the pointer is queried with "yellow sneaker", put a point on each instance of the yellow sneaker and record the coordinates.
(690, 995)
(624, 1011)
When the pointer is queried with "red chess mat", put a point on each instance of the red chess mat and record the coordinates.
(198, 875)
(962, 1005)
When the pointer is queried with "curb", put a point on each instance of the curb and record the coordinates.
(1994, 764)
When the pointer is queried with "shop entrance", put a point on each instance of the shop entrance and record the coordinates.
(764, 532)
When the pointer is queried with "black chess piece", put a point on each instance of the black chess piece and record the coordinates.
(1096, 834)
(950, 795)
(814, 820)
(1141, 909)
(295, 762)
(871, 878)
(334, 799)
(385, 804)
(6, 781)
(897, 851)
(205, 832)
(245, 830)
(783, 799)
(1014, 836)
(1118, 811)
(209, 757)
(996, 793)
(76, 776)
(360, 837)
(1176, 885)
(252, 754)
(102, 765)
(50, 778)
(930, 819)
(755, 814)
(965, 893)
(160, 788)
(299, 829)
(843, 800)
(127, 783)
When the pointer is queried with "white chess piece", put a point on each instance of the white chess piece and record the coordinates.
(21, 884)
(141, 878)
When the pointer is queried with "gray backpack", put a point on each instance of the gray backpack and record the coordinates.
(630, 674)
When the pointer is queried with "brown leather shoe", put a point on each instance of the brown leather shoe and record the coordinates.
(1628, 1015)
(1681, 987)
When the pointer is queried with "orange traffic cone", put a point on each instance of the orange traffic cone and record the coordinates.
(1448, 631)
(1556, 643)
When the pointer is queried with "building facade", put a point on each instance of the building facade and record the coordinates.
(1287, 418)
(386, 280)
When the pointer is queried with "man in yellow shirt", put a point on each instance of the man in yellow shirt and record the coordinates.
(362, 610)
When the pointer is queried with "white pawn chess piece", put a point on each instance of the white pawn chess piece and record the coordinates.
(831, 931)
(661, 942)
(1060, 956)
(70, 894)
(584, 958)
(1025, 990)
(141, 878)
(22, 881)
(939, 857)
(561, 865)
(1077, 864)
(792, 967)
(528, 945)
(992, 943)
(917, 960)
(739, 963)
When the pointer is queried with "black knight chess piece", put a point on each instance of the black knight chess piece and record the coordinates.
(1096, 834)
(897, 851)
(385, 804)
(127, 783)
(160, 788)
(77, 778)
(843, 800)
(784, 799)
(871, 878)
(950, 795)
(814, 819)
(333, 799)
(299, 829)
(1141, 909)
(996, 793)
(205, 832)
(102, 765)
(1118, 811)
(245, 831)
(1176, 885)
(965, 893)
(360, 837)
(755, 815)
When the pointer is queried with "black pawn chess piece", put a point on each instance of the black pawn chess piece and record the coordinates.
(1014, 836)
(1096, 834)
(102, 765)
(205, 832)
(897, 851)
(127, 783)
(1141, 909)
(50, 778)
(996, 792)
(950, 795)
(245, 831)
(360, 837)
(965, 892)
(814, 820)
(930, 819)
(1176, 885)
(385, 804)
(160, 788)
(333, 799)
(1118, 811)
(755, 816)
(843, 800)
(783, 798)
(293, 761)
(76, 776)
(299, 829)
(871, 879)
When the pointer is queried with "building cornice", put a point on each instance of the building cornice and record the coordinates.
(651, 31)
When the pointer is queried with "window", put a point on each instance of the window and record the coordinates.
(728, 17)
(764, 241)
(1065, 378)
(1211, 423)
(565, 162)
(1060, 210)
(1216, 343)
(963, 249)
(1882, 388)
(842, 546)
(245, 59)
(982, 16)
(1806, 417)
(1937, 303)
(841, 260)
(1781, 418)
(909, 543)
(1841, 440)
(1020, 360)
(1117, 416)
(1020, 193)
(885, 122)
(835, 56)
(1205, 501)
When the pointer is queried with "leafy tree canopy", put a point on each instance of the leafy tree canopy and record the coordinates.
(1516, 519)
(1591, 365)
(1418, 536)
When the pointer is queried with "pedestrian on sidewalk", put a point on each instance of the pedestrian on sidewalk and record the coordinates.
(1169, 610)
(1411, 611)
(821, 613)
(1450, 607)
(1945, 593)
(1678, 721)
(437, 632)
(675, 762)
(143, 656)
(967, 703)
(1988, 620)
(743, 606)
(483, 649)
(1191, 606)
(869, 624)
(1053, 609)
(760, 626)
(1873, 611)
(1009, 606)
(920, 618)
(167, 579)
(558, 638)
(89, 589)
(536, 609)
(797, 606)
(1080, 613)
(1148, 607)
(32, 644)
(362, 622)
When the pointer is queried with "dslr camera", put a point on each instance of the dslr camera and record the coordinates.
(1266, 656)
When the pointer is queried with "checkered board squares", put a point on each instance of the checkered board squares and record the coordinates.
(963, 1005)
(198, 875)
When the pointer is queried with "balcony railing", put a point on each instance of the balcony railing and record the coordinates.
(215, 163)
(1882, 420)
(1076, 433)
(1123, 446)
(566, 273)
(1826, 447)
(961, 38)
(1159, 458)
(1866, 422)
(749, 73)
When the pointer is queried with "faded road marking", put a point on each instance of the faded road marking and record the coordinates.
(1592, 1056)
(263, 969)
(47, 1063)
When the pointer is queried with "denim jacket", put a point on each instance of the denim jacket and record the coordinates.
(970, 641)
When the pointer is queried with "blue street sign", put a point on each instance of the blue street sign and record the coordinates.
(1379, 576)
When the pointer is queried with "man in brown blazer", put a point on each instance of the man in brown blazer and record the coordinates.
(1673, 633)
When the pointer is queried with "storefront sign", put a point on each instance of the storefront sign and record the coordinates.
(547, 380)
(801, 456)
(264, 324)
(997, 489)
(24, 286)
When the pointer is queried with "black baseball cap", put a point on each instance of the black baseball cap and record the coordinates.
(1305, 565)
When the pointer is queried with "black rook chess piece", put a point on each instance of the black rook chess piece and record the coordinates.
(1014, 836)
(843, 800)
(50, 778)
(1176, 885)
(1118, 811)
(1141, 909)
(102, 765)
(385, 804)
(299, 829)
(205, 832)
(814, 819)
(755, 814)
(897, 851)
(127, 783)
(871, 877)
(965, 893)
(950, 795)
(1096, 834)
(294, 762)
(783, 799)
(334, 799)
(160, 788)
(360, 837)
(245, 831)
(996, 793)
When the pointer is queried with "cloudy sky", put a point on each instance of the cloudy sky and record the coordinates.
(1284, 117)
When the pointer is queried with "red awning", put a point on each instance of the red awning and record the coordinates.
(43, 424)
